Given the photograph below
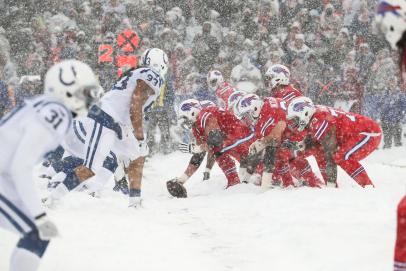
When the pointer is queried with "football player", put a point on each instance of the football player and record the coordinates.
(116, 125)
(346, 138)
(391, 20)
(28, 133)
(216, 131)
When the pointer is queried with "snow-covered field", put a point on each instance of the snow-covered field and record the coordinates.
(240, 228)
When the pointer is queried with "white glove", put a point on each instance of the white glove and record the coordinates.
(257, 147)
(143, 147)
(190, 148)
(46, 228)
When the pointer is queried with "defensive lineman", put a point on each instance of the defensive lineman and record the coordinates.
(117, 124)
(27, 134)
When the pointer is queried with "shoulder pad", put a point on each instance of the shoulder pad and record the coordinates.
(151, 77)
(55, 116)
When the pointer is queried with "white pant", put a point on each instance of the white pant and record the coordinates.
(13, 215)
(100, 141)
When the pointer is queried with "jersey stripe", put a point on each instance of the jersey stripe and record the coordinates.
(75, 129)
(95, 145)
(237, 143)
(268, 123)
(204, 119)
(289, 96)
(357, 147)
(321, 130)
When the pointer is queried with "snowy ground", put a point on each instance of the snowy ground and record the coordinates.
(238, 229)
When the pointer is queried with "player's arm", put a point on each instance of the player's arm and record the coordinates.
(211, 159)
(215, 137)
(140, 95)
(329, 143)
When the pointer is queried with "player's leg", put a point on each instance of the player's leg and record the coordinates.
(227, 165)
(355, 150)
(400, 246)
(282, 170)
(301, 170)
(30, 248)
(99, 180)
(356, 172)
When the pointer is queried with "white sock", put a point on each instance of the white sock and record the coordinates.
(23, 260)
(266, 180)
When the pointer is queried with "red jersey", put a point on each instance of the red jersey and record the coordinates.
(287, 93)
(347, 124)
(223, 92)
(273, 111)
(232, 128)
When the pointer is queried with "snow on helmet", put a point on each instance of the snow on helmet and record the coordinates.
(233, 100)
(155, 59)
(73, 83)
(391, 20)
(300, 112)
(214, 79)
(277, 75)
(249, 108)
(188, 112)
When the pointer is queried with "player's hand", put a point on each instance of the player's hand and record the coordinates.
(176, 189)
(206, 174)
(46, 228)
(257, 147)
(143, 147)
(190, 148)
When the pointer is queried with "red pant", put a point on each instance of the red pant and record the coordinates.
(400, 246)
(353, 150)
(227, 165)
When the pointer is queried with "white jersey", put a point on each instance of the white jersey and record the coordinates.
(117, 101)
(26, 134)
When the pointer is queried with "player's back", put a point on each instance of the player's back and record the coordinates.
(35, 117)
(223, 92)
(273, 111)
(347, 123)
(287, 93)
(117, 101)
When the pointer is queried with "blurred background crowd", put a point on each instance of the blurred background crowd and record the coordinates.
(332, 48)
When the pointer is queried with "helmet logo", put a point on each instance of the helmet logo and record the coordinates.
(247, 101)
(278, 69)
(298, 107)
(188, 106)
(385, 7)
(66, 83)
(234, 97)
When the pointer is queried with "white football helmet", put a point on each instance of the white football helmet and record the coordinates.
(74, 84)
(188, 112)
(233, 100)
(156, 59)
(277, 75)
(391, 20)
(248, 108)
(300, 112)
(214, 79)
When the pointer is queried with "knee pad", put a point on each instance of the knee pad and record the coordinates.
(33, 243)
(111, 163)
